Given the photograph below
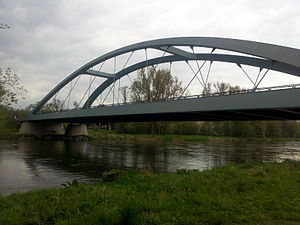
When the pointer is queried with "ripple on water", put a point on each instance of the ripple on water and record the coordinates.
(31, 164)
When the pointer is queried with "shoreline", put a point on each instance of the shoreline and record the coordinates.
(111, 135)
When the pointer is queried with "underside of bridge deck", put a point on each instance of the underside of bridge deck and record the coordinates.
(230, 115)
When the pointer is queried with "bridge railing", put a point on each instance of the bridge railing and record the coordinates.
(243, 91)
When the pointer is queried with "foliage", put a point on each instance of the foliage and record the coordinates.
(111, 175)
(10, 92)
(124, 93)
(53, 106)
(185, 128)
(99, 132)
(251, 193)
(7, 122)
(4, 26)
(259, 129)
(155, 85)
(244, 129)
(141, 90)
(74, 183)
(222, 87)
(9, 87)
(150, 85)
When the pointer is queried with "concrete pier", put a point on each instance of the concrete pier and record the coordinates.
(40, 129)
(76, 130)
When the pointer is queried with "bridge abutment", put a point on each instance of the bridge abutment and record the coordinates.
(41, 129)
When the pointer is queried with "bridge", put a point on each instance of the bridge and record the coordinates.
(101, 101)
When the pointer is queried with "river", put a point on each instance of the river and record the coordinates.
(32, 164)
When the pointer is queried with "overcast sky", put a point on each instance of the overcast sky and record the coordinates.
(50, 39)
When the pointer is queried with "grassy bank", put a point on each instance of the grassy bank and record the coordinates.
(112, 135)
(252, 193)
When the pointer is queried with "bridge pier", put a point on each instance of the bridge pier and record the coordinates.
(40, 129)
(76, 130)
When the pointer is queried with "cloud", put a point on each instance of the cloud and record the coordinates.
(50, 39)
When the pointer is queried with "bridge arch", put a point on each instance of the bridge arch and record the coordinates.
(262, 55)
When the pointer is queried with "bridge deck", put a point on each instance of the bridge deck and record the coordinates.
(268, 105)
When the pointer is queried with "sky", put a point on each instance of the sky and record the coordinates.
(48, 40)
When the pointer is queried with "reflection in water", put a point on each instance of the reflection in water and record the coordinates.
(32, 164)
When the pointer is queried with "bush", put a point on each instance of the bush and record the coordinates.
(7, 123)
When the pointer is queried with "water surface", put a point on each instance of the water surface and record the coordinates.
(32, 164)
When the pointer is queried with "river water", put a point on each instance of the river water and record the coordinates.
(31, 164)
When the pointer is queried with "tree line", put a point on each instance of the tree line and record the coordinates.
(10, 93)
(259, 129)
(160, 84)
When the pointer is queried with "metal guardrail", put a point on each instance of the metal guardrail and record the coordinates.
(262, 89)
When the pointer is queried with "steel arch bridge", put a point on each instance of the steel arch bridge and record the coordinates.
(252, 104)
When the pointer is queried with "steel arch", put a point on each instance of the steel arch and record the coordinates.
(273, 57)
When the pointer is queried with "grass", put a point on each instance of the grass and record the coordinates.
(100, 132)
(113, 135)
(251, 193)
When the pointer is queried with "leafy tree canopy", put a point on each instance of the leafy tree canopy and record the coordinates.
(10, 88)
(153, 85)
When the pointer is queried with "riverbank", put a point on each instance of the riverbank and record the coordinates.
(95, 134)
(112, 135)
(251, 193)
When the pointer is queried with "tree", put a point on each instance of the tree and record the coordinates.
(54, 106)
(4, 26)
(124, 93)
(9, 83)
(8, 123)
(207, 90)
(151, 85)
(9, 88)
(221, 87)
(155, 85)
